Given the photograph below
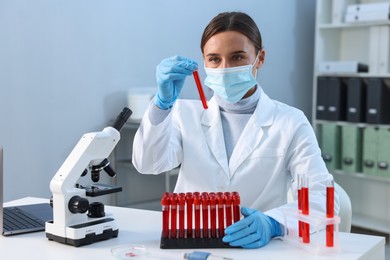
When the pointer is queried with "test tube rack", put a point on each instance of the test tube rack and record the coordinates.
(197, 220)
(318, 221)
(311, 220)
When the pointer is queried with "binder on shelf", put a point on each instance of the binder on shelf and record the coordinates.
(351, 149)
(373, 51)
(383, 160)
(378, 105)
(356, 100)
(367, 12)
(330, 145)
(369, 8)
(338, 10)
(384, 53)
(370, 150)
(336, 97)
(322, 92)
(342, 67)
(331, 98)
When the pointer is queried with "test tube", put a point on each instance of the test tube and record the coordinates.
(228, 208)
(221, 217)
(330, 212)
(213, 215)
(305, 209)
(165, 202)
(200, 89)
(182, 203)
(300, 223)
(236, 207)
(197, 202)
(205, 214)
(173, 215)
(189, 200)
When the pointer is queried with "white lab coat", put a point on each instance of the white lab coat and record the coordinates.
(277, 143)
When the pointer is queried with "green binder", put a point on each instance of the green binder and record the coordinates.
(351, 150)
(383, 162)
(330, 145)
(370, 150)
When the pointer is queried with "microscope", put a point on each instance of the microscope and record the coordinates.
(76, 221)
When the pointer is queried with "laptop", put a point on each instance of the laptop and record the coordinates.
(22, 219)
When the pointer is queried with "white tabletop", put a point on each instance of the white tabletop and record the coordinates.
(143, 227)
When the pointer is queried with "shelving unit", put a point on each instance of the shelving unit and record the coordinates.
(138, 190)
(336, 40)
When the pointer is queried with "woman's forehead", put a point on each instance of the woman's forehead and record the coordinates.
(228, 42)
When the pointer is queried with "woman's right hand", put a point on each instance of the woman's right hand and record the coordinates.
(171, 73)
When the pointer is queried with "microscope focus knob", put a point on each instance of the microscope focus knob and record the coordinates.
(78, 204)
(96, 210)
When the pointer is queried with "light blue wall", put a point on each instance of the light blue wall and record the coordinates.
(66, 66)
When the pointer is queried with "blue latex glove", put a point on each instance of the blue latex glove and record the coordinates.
(253, 231)
(171, 73)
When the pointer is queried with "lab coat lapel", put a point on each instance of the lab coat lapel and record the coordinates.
(213, 133)
(253, 132)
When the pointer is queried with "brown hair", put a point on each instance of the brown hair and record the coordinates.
(233, 21)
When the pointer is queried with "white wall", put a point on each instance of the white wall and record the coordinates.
(66, 65)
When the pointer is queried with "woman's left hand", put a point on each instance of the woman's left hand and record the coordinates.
(253, 231)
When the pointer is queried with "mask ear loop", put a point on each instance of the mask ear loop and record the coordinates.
(256, 60)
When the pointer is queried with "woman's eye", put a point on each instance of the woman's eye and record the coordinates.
(214, 60)
(238, 58)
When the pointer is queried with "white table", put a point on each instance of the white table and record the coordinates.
(144, 227)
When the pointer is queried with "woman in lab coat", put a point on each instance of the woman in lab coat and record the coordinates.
(243, 142)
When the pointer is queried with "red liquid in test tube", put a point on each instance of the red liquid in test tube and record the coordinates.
(165, 202)
(221, 217)
(228, 209)
(205, 215)
(200, 89)
(190, 200)
(182, 203)
(300, 223)
(173, 215)
(236, 207)
(213, 215)
(305, 210)
(197, 202)
(330, 213)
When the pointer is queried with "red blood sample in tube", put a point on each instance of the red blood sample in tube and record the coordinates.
(197, 202)
(182, 203)
(236, 207)
(228, 209)
(300, 223)
(305, 211)
(173, 215)
(221, 217)
(205, 214)
(330, 213)
(200, 89)
(213, 215)
(190, 200)
(165, 202)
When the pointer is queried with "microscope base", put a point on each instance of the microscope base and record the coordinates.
(79, 235)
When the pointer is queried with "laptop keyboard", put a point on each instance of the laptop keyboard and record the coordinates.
(15, 219)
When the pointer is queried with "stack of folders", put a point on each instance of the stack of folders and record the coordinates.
(367, 12)
(353, 147)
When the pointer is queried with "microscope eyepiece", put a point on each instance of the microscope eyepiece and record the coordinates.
(122, 118)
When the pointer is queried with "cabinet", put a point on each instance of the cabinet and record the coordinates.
(138, 190)
(346, 141)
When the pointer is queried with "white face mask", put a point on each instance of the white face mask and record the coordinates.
(231, 83)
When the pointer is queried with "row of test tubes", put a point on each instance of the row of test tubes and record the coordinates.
(198, 215)
(303, 208)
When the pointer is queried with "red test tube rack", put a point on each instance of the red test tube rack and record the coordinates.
(197, 220)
